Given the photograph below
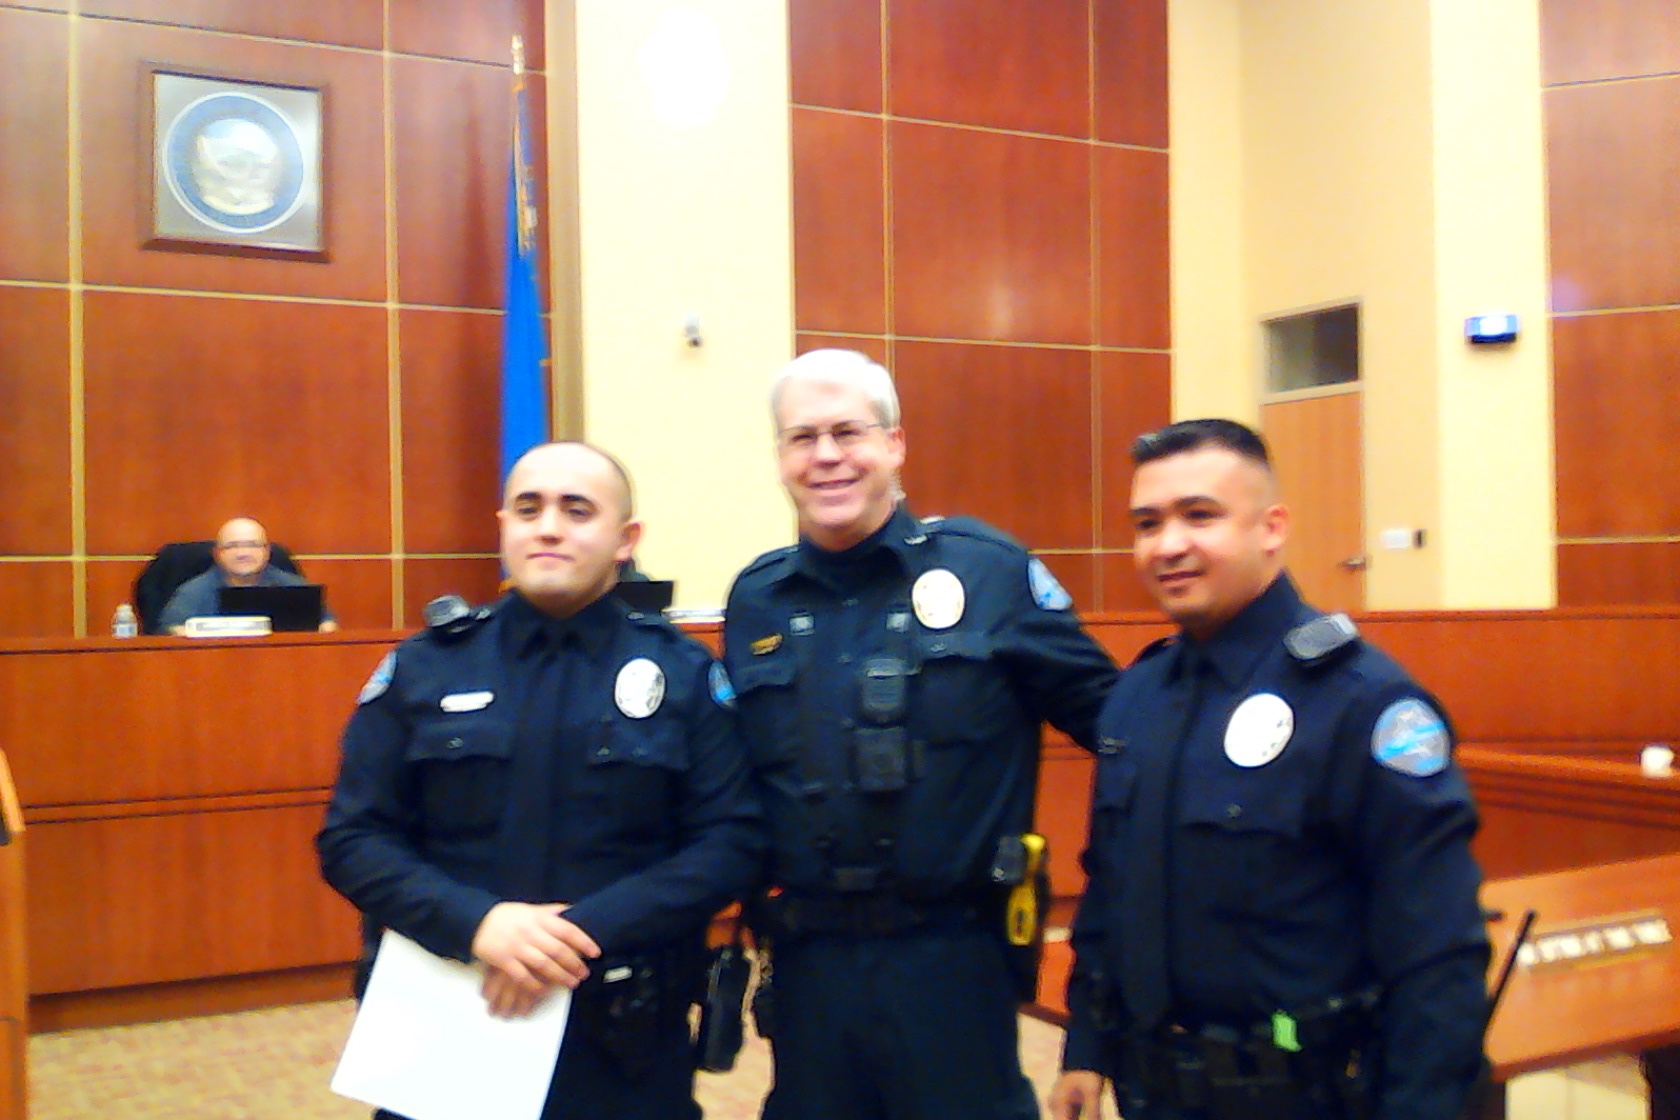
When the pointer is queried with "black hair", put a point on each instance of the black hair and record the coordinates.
(1193, 435)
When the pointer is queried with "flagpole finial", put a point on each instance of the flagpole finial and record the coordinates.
(518, 55)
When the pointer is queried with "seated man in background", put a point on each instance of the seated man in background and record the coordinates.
(241, 560)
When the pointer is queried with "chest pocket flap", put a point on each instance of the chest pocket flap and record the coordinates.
(961, 695)
(460, 739)
(1249, 801)
(654, 742)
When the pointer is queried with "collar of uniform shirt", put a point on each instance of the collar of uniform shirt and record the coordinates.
(591, 628)
(1233, 653)
(892, 537)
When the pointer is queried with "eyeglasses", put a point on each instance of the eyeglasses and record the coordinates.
(803, 441)
(229, 545)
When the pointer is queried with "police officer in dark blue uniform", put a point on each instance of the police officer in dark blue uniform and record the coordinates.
(1282, 918)
(555, 787)
(893, 674)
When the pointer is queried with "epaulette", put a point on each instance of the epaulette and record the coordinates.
(774, 556)
(1159, 645)
(971, 527)
(1322, 639)
(449, 618)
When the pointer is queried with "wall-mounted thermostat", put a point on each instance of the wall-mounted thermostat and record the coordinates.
(1491, 328)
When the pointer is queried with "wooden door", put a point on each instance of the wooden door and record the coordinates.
(1318, 456)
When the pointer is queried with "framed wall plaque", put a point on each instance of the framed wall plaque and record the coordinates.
(236, 167)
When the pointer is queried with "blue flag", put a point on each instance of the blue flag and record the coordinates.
(524, 345)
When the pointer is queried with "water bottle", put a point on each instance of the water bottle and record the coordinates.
(124, 624)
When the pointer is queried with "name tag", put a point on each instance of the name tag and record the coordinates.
(466, 701)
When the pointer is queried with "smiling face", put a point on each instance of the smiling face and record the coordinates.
(565, 526)
(1209, 535)
(838, 461)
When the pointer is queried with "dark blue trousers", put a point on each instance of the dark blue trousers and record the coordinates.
(920, 1026)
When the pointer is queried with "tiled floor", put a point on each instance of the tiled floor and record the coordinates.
(275, 1065)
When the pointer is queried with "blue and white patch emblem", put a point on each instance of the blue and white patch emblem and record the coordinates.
(1411, 737)
(380, 681)
(1046, 592)
(723, 689)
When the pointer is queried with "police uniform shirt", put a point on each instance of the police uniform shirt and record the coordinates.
(992, 647)
(590, 761)
(1319, 844)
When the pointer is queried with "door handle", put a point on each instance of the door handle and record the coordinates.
(1355, 563)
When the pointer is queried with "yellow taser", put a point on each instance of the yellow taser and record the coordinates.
(1021, 916)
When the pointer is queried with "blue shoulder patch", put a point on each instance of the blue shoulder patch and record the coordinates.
(723, 689)
(1046, 591)
(1411, 738)
(380, 681)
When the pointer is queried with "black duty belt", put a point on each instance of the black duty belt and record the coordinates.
(791, 917)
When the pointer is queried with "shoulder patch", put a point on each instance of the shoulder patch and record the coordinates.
(1046, 591)
(1410, 737)
(380, 681)
(1322, 638)
(723, 689)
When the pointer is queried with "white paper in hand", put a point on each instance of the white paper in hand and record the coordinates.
(424, 1045)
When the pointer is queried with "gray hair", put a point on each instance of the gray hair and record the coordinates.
(847, 368)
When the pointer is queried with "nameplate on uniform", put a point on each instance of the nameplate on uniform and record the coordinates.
(1596, 940)
(228, 626)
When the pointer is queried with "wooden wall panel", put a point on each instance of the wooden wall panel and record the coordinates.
(37, 599)
(1135, 396)
(475, 579)
(35, 417)
(876, 348)
(478, 32)
(34, 123)
(451, 148)
(991, 236)
(108, 583)
(1131, 78)
(116, 161)
(200, 409)
(1132, 257)
(451, 377)
(1590, 40)
(1064, 805)
(1119, 588)
(208, 894)
(1616, 400)
(1611, 151)
(971, 453)
(996, 63)
(839, 222)
(835, 53)
(358, 591)
(349, 23)
(1624, 572)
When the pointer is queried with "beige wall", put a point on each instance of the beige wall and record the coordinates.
(679, 212)
(1361, 169)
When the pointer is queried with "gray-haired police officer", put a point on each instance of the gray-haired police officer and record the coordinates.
(893, 674)
(1282, 920)
(555, 787)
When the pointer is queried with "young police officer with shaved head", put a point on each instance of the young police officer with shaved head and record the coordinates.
(554, 788)
(892, 675)
(1281, 921)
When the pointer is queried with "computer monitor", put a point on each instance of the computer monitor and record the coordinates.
(297, 607)
(650, 596)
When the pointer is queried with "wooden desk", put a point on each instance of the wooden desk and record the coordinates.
(172, 788)
(1562, 1014)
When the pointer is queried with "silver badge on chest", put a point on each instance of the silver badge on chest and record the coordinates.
(1259, 730)
(640, 688)
(938, 599)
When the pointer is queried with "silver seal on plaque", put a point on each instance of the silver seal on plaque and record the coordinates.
(235, 162)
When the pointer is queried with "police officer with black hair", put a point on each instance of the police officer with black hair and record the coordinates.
(1282, 918)
(893, 674)
(554, 787)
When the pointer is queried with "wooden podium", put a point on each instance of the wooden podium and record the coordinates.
(14, 974)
